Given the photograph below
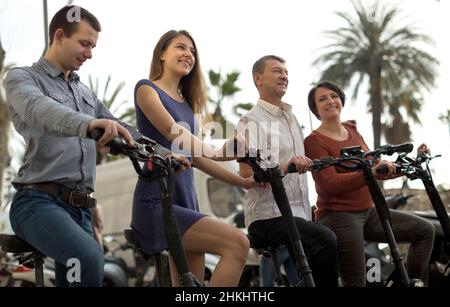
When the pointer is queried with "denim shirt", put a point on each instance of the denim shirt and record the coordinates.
(53, 115)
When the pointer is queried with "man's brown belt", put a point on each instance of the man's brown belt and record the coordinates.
(72, 197)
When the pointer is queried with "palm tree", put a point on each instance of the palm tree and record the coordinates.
(241, 108)
(225, 87)
(372, 47)
(397, 129)
(4, 121)
(128, 115)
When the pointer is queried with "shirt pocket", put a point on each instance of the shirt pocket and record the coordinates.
(89, 106)
(64, 99)
(61, 98)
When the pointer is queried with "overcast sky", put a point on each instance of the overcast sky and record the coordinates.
(231, 35)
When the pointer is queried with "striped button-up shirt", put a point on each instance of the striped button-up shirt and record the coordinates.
(53, 115)
(276, 132)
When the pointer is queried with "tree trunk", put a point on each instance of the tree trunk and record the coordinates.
(4, 127)
(397, 132)
(218, 117)
(375, 96)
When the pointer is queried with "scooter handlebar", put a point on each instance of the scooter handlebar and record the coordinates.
(292, 168)
(175, 164)
(117, 144)
(317, 164)
(391, 149)
(97, 133)
(383, 170)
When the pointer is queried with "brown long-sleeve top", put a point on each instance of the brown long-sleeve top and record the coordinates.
(337, 189)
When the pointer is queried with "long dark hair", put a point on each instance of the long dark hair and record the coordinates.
(192, 86)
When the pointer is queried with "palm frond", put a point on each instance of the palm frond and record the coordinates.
(374, 36)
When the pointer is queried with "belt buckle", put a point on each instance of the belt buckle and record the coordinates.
(77, 199)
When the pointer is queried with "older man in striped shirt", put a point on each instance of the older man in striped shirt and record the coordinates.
(272, 127)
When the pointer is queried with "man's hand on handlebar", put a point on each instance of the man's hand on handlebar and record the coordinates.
(104, 149)
(111, 129)
(302, 164)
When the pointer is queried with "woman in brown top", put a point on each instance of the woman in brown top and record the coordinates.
(344, 203)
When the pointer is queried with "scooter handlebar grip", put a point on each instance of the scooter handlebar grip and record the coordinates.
(97, 133)
(405, 147)
(292, 168)
(117, 144)
(175, 164)
(383, 170)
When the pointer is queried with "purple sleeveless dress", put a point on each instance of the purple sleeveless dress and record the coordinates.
(146, 218)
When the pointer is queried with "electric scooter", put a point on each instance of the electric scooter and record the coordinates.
(354, 159)
(413, 169)
(273, 175)
(156, 168)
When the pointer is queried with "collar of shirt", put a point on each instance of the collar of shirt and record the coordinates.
(273, 109)
(54, 71)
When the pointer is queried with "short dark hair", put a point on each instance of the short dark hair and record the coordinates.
(259, 65)
(312, 93)
(61, 21)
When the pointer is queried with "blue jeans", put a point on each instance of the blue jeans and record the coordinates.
(267, 271)
(62, 232)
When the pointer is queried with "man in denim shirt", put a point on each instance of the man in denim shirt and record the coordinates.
(55, 114)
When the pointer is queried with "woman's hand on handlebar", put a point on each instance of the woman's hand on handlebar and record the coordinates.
(111, 130)
(302, 164)
(423, 149)
(184, 162)
(384, 170)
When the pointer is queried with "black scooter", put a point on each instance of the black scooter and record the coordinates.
(413, 169)
(354, 159)
(157, 168)
(274, 176)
